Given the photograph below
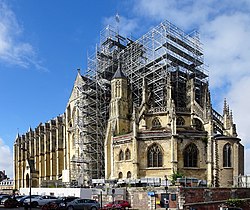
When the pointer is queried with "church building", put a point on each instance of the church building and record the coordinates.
(195, 141)
(141, 110)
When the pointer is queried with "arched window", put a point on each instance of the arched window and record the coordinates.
(128, 174)
(121, 155)
(127, 154)
(27, 181)
(180, 121)
(120, 175)
(117, 88)
(68, 113)
(190, 155)
(156, 123)
(154, 156)
(227, 155)
(198, 124)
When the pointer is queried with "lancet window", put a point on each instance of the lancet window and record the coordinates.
(155, 156)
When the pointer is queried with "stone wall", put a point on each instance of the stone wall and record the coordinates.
(211, 198)
(187, 198)
(149, 198)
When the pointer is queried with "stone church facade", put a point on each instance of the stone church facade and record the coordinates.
(140, 142)
(39, 154)
(149, 143)
(150, 117)
(51, 154)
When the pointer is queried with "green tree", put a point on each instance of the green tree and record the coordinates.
(176, 175)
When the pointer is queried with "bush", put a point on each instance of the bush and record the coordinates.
(174, 176)
(234, 202)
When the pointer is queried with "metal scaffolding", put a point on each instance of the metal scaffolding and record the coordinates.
(162, 53)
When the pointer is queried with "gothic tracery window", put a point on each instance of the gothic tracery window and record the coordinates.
(154, 156)
(121, 155)
(227, 155)
(180, 121)
(127, 154)
(190, 156)
(198, 124)
(156, 123)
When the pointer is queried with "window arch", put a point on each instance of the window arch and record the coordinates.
(190, 155)
(227, 155)
(198, 124)
(127, 154)
(180, 121)
(73, 141)
(128, 174)
(120, 175)
(27, 180)
(156, 123)
(154, 156)
(117, 88)
(121, 155)
(74, 115)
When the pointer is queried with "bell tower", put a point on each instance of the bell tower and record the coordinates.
(119, 107)
(119, 122)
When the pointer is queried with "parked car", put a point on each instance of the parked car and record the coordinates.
(3, 198)
(18, 197)
(26, 197)
(60, 203)
(11, 203)
(12, 200)
(39, 201)
(86, 204)
(117, 204)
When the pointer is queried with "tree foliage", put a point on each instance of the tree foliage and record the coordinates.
(176, 175)
(234, 202)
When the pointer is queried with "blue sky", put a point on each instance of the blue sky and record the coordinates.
(42, 43)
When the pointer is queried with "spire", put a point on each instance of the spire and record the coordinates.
(231, 116)
(225, 107)
(17, 136)
(119, 73)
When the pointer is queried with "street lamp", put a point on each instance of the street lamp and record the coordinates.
(166, 188)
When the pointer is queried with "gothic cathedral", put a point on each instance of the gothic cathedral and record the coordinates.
(142, 142)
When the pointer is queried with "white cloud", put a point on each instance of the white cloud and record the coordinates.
(226, 48)
(190, 12)
(227, 51)
(239, 99)
(125, 25)
(12, 50)
(6, 159)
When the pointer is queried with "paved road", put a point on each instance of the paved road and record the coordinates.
(19, 208)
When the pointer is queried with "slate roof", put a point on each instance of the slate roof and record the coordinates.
(119, 73)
